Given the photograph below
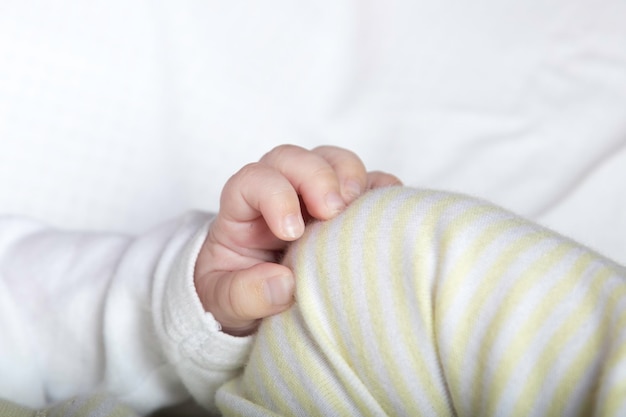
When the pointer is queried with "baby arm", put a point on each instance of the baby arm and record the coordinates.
(99, 311)
(140, 317)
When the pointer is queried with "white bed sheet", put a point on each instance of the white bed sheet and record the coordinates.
(523, 103)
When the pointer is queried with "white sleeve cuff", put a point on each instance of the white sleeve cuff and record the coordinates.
(203, 356)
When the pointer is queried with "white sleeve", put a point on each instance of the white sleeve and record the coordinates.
(82, 311)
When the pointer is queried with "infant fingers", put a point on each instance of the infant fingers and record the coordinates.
(312, 176)
(349, 170)
(259, 190)
(238, 299)
(377, 179)
(327, 178)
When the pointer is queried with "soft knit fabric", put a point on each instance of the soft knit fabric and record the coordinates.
(422, 303)
(94, 405)
(87, 311)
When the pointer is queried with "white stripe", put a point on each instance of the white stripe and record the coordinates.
(543, 336)
(490, 306)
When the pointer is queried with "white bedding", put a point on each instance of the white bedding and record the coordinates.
(523, 103)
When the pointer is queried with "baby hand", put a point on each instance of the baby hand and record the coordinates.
(236, 276)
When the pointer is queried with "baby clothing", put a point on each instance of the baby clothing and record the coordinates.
(411, 302)
(424, 303)
(83, 312)
(94, 405)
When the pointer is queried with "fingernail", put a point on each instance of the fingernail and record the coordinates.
(352, 188)
(334, 202)
(292, 226)
(279, 290)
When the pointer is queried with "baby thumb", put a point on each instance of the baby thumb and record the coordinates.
(240, 298)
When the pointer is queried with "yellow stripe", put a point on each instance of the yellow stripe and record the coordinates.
(616, 402)
(514, 352)
(347, 233)
(484, 292)
(507, 305)
(333, 346)
(488, 293)
(327, 343)
(594, 344)
(613, 393)
(555, 348)
(415, 365)
(10, 409)
(616, 393)
(370, 263)
(472, 216)
(261, 369)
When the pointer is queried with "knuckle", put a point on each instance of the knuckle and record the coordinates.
(228, 300)
(380, 179)
(249, 170)
(248, 174)
(320, 177)
(234, 183)
(337, 152)
(322, 149)
(240, 298)
(282, 151)
(342, 158)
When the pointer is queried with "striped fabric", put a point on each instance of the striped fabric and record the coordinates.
(424, 303)
(94, 405)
